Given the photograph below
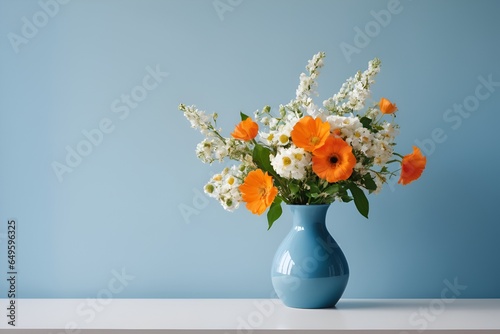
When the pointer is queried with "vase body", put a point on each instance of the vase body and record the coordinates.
(309, 270)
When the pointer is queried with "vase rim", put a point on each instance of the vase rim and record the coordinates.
(327, 204)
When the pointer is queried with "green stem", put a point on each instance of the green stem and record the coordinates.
(399, 155)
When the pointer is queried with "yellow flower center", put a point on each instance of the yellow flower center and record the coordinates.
(284, 139)
(315, 140)
(270, 137)
(298, 156)
(230, 180)
(287, 161)
(262, 192)
(217, 177)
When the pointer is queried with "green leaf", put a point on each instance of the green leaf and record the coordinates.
(294, 188)
(333, 189)
(243, 116)
(261, 158)
(369, 183)
(346, 199)
(274, 212)
(367, 122)
(313, 187)
(360, 199)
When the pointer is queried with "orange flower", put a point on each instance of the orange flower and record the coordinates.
(258, 191)
(412, 166)
(246, 130)
(309, 133)
(334, 161)
(386, 106)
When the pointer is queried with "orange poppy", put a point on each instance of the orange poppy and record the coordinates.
(258, 191)
(334, 161)
(412, 166)
(246, 130)
(309, 133)
(386, 106)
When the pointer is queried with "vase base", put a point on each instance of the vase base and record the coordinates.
(310, 293)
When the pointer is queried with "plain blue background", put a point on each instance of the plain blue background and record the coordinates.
(121, 209)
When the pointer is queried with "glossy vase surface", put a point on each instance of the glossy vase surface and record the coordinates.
(309, 269)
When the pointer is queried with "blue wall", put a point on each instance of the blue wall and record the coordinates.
(132, 210)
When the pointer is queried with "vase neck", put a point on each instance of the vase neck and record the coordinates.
(306, 215)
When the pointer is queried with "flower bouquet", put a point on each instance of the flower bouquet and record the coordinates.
(307, 154)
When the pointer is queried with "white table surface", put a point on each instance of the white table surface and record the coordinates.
(251, 316)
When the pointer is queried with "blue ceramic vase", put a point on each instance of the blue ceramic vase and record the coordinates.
(309, 269)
